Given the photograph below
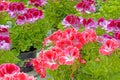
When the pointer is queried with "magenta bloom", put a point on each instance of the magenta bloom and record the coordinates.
(16, 8)
(104, 23)
(30, 16)
(86, 6)
(110, 25)
(4, 5)
(90, 23)
(72, 20)
(37, 2)
(4, 37)
(117, 35)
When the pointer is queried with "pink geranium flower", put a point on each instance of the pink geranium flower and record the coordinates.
(8, 68)
(39, 66)
(117, 35)
(30, 16)
(64, 43)
(86, 6)
(102, 39)
(107, 48)
(16, 8)
(90, 23)
(69, 32)
(4, 5)
(17, 76)
(51, 59)
(77, 40)
(89, 35)
(56, 36)
(72, 20)
(37, 2)
(69, 55)
(110, 25)
(4, 42)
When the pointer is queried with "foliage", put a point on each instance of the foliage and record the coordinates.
(56, 10)
(98, 67)
(22, 37)
(27, 35)
(109, 9)
(8, 56)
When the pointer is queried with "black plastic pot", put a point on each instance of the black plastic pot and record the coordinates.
(27, 56)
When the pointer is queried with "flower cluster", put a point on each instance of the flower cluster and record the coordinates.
(4, 37)
(4, 5)
(21, 13)
(108, 47)
(16, 8)
(10, 71)
(37, 2)
(86, 6)
(30, 16)
(63, 49)
(76, 22)
(109, 44)
(110, 25)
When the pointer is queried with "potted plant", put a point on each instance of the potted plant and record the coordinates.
(26, 34)
(26, 31)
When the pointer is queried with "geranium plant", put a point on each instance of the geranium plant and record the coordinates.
(21, 29)
(89, 50)
(30, 21)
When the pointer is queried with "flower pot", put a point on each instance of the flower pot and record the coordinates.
(27, 55)
(25, 60)
(26, 68)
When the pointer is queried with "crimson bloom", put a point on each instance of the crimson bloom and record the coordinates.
(77, 40)
(64, 43)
